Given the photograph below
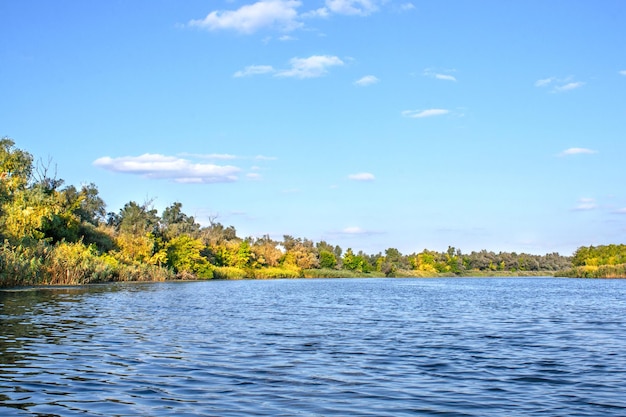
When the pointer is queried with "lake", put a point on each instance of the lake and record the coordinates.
(317, 347)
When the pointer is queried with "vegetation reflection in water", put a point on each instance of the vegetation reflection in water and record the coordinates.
(474, 347)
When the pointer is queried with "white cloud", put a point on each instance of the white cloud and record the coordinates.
(352, 7)
(311, 67)
(577, 151)
(559, 85)
(265, 158)
(155, 166)
(585, 204)
(353, 230)
(254, 176)
(254, 70)
(568, 86)
(620, 211)
(407, 6)
(440, 75)
(361, 176)
(349, 231)
(279, 14)
(445, 77)
(623, 72)
(544, 82)
(367, 80)
(322, 12)
(419, 114)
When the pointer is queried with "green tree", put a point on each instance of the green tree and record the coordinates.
(174, 222)
(184, 256)
(327, 259)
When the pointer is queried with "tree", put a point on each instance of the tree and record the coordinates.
(265, 252)
(354, 262)
(174, 222)
(16, 167)
(184, 256)
(137, 219)
(327, 259)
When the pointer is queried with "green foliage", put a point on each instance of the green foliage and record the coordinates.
(184, 256)
(605, 261)
(327, 260)
(356, 263)
(75, 263)
(16, 167)
(600, 255)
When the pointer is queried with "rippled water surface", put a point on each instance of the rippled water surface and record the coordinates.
(379, 347)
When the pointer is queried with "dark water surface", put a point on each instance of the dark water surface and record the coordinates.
(362, 347)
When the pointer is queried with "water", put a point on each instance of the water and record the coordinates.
(358, 347)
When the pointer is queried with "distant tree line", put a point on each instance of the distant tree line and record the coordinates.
(53, 233)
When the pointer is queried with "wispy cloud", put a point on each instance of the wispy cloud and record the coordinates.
(544, 82)
(276, 14)
(353, 231)
(559, 85)
(254, 70)
(568, 86)
(577, 151)
(311, 67)
(352, 7)
(623, 72)
(585, 204)
(367, 80)
(254, 176)
(420, 114)
(620, 211)
(282, 15)
(362, 176)
(440, 75)
(265, 158)
(156, 166)
(407, 6)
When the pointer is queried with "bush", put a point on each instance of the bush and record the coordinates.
(75, 263)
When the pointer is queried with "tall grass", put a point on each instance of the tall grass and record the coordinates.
(21, 265)
(229, 272)
(277, 272)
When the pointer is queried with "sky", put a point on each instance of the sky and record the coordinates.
(370, 124)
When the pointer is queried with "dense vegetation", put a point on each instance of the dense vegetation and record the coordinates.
(606, 261)
(51, 233)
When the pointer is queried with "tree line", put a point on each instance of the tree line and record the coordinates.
(53, 233)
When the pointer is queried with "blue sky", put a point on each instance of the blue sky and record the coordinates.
(366, 123)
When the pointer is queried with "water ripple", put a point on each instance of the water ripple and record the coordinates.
(440, 347)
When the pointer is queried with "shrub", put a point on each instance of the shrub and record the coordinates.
(75, 263)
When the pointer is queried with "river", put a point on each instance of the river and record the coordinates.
(317, 347)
